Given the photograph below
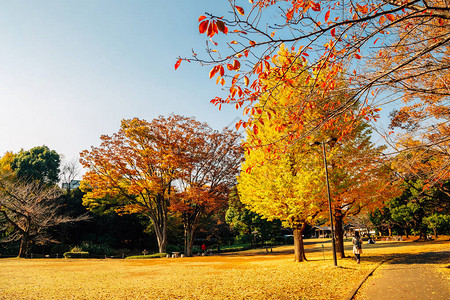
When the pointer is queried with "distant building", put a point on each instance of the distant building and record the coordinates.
(70, 186)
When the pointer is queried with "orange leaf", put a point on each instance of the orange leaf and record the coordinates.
(246, 81)
(333, 32)
(221, 26)
(236, 65)
(315, 6)
(215, 30)
(213, 71)
(177, 64)
(235, 79)
(362, 9)
(203, 26)
(357, 56)
(289, 14)
(327, 15)
(221, 70)
(390, 17)
(240, 10)
(255, 129)
(201, 18)
(382, 20)
(252, 43)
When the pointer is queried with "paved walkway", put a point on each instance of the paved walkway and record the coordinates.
(412, 277)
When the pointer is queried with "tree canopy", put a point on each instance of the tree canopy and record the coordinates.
(37, 164)
(387, 51)
(146, 167)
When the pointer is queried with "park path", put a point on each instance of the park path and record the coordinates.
(411, 277)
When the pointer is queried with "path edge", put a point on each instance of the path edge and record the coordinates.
(358, 286)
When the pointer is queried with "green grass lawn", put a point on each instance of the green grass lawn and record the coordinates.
(252, 274)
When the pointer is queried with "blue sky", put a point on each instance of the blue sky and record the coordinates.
(71, 70)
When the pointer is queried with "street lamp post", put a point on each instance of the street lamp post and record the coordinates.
(333, 238)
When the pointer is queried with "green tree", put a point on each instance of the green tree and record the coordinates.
(243, 221)
(37, 164)
(417, 208)
(381, 219)
(438, 222)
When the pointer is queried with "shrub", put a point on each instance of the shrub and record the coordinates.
(76, 249)
(156, 255)
(173, 248)
(234, 248)
(96, 249)
(80, 254)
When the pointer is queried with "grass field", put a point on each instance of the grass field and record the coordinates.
(251, 274)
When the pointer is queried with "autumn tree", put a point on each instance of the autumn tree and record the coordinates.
(421, 123)
(387, 50)
(135, 169)
(31, 209)
(358, 178)
(210, 170)
(277, 178)
(278, 189)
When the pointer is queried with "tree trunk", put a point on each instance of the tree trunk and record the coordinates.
(435, 233)
(423, 233)
(390, 230)
(161, 234)
(299, 249)
(188, 240)
(159, 220)
(190, 221)
(162, 241)
(406, 233)
(339, 233)
(23, 250)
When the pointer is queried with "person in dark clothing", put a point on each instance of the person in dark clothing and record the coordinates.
(357, 246)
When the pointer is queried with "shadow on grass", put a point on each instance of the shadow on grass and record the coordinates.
(324, 245)
(438, 257)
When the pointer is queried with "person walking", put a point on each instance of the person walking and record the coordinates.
(357, 246)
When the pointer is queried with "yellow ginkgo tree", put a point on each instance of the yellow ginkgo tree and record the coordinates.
(283, 174)
(280, 179)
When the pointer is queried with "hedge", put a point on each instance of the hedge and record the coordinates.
(80, 254)
(156, 255)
